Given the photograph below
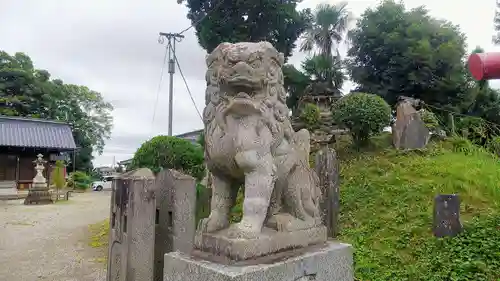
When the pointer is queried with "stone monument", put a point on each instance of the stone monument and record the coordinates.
(39, 192)
(249, 141)
(409, 131)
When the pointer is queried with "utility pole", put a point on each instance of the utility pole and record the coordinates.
(172, 38)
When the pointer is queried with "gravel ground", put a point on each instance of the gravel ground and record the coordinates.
(50, 242)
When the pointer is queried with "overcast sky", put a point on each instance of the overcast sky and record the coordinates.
(111, 46)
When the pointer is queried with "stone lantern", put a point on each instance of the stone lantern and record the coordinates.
(39, 191)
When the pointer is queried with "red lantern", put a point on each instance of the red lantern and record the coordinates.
(485, 66)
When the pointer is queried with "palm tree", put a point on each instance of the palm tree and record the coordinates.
(320, 68)
(328, 29)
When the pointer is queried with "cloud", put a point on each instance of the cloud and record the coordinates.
(111, 47)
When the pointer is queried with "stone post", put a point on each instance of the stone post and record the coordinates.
(175, 216)
(327, 168)
(132, 227)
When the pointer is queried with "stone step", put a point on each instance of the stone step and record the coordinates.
(8, 184)
(8, 190)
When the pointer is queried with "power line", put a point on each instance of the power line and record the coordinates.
(206, 15)
(187, 87)
(159, 85)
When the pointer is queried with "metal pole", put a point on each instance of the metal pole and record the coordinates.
(171, 70)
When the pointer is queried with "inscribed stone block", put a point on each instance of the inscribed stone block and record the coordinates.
(447, 215)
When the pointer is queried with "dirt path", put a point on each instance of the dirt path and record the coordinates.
(50, 242)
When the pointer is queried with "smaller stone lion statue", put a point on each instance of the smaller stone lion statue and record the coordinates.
(249, 141)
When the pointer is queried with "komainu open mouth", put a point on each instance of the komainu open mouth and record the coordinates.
(242, 81)
(242, 104)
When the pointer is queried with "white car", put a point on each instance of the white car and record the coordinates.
(104, 184)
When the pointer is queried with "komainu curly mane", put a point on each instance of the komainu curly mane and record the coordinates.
(249, 140)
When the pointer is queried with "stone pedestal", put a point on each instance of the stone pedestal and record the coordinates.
(332, 261)
(232, 248)
(38, 194)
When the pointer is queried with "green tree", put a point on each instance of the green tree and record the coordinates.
(295, 83)
(321, 68)
(276, 21)
(398, 52)
(363, 114)
(28, 92)
(496, 22)
(58, 175)
(166, 152)
(328, 29)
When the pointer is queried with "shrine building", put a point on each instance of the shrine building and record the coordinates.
(22, 139)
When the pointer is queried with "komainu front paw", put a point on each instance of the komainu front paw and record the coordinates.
(213, 223)
(243, 230)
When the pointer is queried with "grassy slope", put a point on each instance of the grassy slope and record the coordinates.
(387, 200)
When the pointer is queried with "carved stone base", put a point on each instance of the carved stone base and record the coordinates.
(332, 261)
(268, 242)
(39, 194)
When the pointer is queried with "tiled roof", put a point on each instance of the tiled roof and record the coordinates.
(38, 133)
(190, 134)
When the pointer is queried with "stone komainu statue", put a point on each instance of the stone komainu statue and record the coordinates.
(249, 141)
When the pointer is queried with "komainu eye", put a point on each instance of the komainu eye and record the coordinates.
(256, 63)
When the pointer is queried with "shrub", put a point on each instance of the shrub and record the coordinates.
(310, 115)
(79, 180)
(166, 152)
(430, 120)
(472, 128)
(363, 114)
(494, 145)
